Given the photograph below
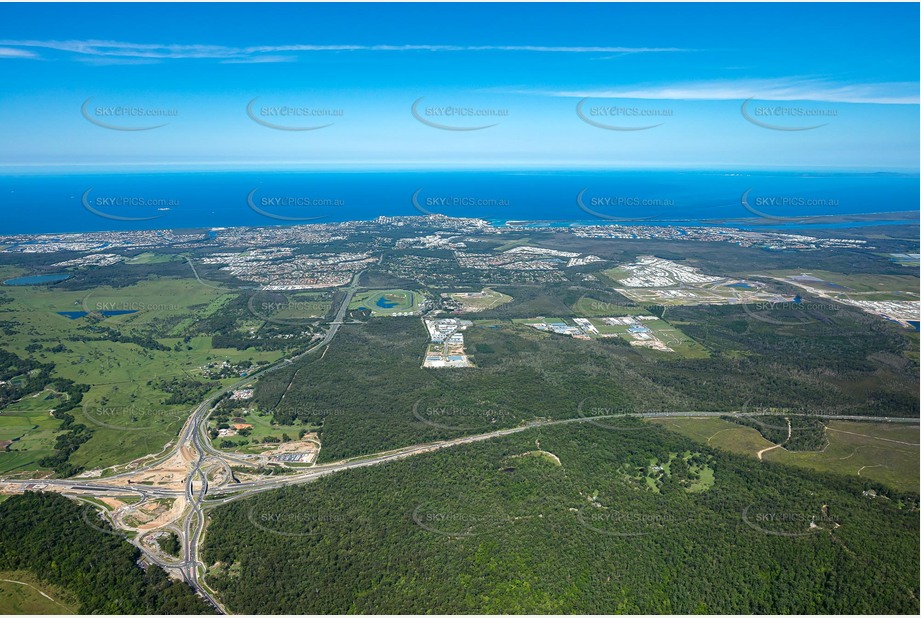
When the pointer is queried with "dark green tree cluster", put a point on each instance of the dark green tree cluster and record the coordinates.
(146, 342)
(805, 433)
(183, 391)
(31, 377)
(170, 543)
(492, 527)
(68, 545)
(364, 392)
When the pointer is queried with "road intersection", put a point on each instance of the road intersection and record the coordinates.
(200, 493)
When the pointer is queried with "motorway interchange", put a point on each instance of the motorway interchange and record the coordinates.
(201, 458)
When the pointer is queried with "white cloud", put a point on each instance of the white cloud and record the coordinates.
(793, 89)
(9, 52)
(254, 53)
(260, 60)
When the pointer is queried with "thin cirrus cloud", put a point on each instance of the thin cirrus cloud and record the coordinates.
(884, 93)
(260, 60)
(270, 53)
(9, 52)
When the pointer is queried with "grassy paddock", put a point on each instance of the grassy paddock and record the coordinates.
(22, 593)
(883, 452)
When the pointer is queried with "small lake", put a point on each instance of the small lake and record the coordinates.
(38, 279)
(383, 303)
(76, 315)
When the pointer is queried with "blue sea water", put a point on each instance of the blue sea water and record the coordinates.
(35, 203)
(38, 279)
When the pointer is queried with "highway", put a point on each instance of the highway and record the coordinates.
(194, 434)
(200, 495)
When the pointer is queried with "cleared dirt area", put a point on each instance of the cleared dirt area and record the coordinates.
(166, 517)
(171, 473)
(151, 515)
(115, 503)
(539, 453)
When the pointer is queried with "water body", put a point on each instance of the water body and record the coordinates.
(76, 315)
(57, 203)
(383, 303)
(38, 279)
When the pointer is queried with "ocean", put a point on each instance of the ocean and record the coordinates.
(34, 203)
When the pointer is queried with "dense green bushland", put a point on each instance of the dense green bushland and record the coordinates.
(68, 545)
(497, 527)
(369, 392)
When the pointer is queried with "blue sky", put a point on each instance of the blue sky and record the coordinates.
(660, 86)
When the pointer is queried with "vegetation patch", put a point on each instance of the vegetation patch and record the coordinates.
(473, 529)
(69, 547)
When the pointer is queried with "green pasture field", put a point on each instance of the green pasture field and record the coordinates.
(153, 258)
(23, 593)
(860, 283)
(883, 452)
(490, 300)
(588, 307)
(124, 406)
(29, 424)
(262, 428)
(299, 305)
(405, 301)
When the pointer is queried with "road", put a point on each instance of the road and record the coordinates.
(195, 434)
(201, 495)
(771, 448)
(197, 489)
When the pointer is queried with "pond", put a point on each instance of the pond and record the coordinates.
(38, 279)
(76, 315)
